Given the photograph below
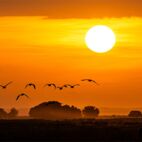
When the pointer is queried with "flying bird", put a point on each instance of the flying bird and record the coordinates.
(60, 88)
(50, 85)
(90, 80)
(21, 95)
(5, 86)
(31, 85)
(71, 86)
(67, 85)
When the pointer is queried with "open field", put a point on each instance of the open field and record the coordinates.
(122, 129)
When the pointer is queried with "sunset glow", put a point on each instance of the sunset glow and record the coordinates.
(44, 46)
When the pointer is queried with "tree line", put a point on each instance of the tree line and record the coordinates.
(54, 110)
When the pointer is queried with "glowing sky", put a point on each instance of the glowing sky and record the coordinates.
(45, 45)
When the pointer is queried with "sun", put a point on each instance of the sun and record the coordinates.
(100, 39)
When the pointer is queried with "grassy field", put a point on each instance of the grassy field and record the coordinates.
(120, 129)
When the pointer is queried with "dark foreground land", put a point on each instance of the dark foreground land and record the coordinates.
(122, 129)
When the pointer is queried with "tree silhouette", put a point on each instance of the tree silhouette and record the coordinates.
(54, 110)
(13, 113)
(3, 113)
(135, 113)
(90, 112)
(71, 112)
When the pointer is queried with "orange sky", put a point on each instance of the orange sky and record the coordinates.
(71, 8)
(40, 49)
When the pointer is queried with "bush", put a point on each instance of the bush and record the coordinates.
(3, 113)
(135, 113)
(13, 113)
(90, 112)
(54, 110)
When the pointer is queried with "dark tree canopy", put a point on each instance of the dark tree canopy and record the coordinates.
(54, 110)
(3, 113)
(135, 113)
(13, 113)
(90, 112)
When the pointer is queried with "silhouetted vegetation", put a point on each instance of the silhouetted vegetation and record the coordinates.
(3, 113)
(55, 110)
(65, 123)
(90, 112)
(135, 113)
(13, 113)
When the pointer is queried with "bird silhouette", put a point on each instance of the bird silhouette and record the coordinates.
(5, 86)
(31, 84)
(60, 88)
(50, 85)
(21, 95)
(71, 86)
(66, 85)
(90, 80)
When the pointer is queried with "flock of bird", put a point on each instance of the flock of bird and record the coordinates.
(47, 85)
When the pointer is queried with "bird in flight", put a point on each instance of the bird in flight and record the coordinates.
(60, 88)
(5, 86)
(31, 84)
(50, 85)
(71, 86)
(21, 95)
(66, 85)
(90, 80)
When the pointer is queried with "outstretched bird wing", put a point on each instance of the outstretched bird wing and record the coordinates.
(8, 83)
(95, 82)
(26, 95)
(90, 80)
(31, 84)
(1, 86)
(84, 79)
(50, 84)
(60, 88)
(23, 94)
(66, 85)
(53, 85)
(18, 97)
(26, 85)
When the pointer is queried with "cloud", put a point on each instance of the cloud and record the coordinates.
(71, 8)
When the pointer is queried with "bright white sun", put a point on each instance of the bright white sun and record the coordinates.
(100, 39)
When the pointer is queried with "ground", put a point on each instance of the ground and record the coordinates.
(114, 129)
